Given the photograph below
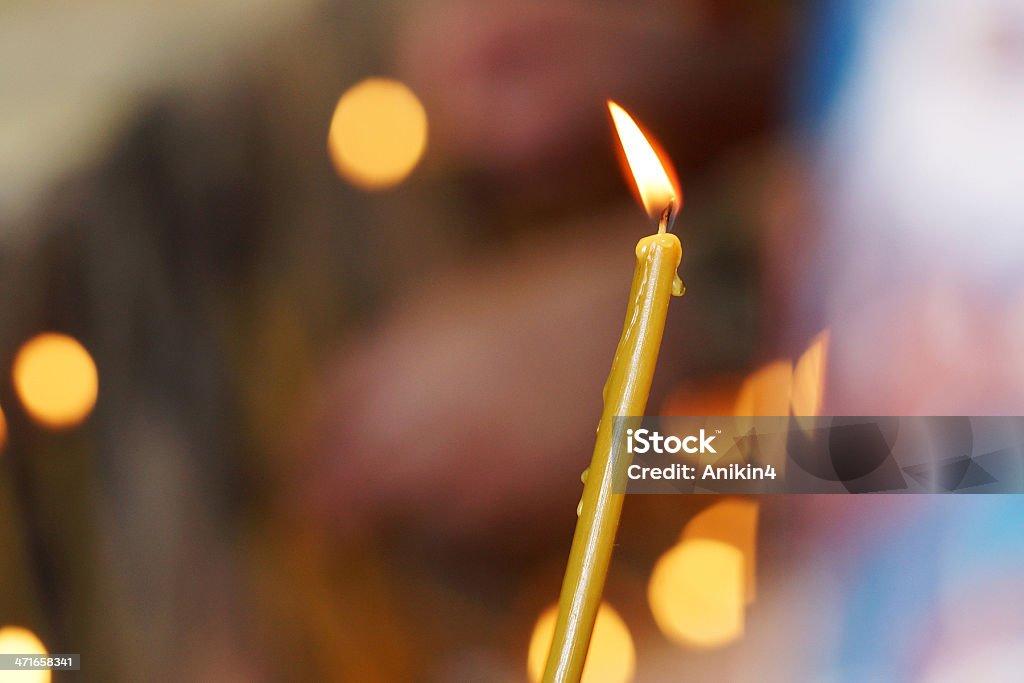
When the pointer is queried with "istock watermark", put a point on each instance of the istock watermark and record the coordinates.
(762, 455)
(645, 440)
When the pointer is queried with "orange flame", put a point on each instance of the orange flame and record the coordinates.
(767, 391)
(809, 377)
(653, 174)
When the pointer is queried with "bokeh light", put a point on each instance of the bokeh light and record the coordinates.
(610, 659)
(809, 377)
(732, 521)
(378, 133)
(716, 396)
(766, 391)
(3, 429)
(56, 380)
(15, 640)
(696, 593)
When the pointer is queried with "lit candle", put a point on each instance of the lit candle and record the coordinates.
(625, 394)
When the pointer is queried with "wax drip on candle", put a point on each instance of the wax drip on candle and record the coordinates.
(583, 480)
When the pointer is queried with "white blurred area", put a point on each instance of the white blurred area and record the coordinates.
(923, 211)
(71, 72)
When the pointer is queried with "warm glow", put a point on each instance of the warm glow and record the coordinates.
(56, 380)
(732, 521)
(766, 392)
(610, 659)
(809, 377)
(3, 429)
(15, 640)
(650, 173)
(696, 593)
(378, 133)
(715, 396)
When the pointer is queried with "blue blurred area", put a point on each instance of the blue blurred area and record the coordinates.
(966, 548)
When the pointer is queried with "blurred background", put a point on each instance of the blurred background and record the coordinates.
(308, 306)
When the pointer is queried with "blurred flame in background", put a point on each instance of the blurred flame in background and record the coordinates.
(378, 133)
(697, 593)
(808, 392)
(610, 659)
(56, 380)
(3, 429)
(767, 390)
(698, 588)
(779, 388)
(732, 521)
(20, 641)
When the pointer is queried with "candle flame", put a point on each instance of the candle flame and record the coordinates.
(653, 174)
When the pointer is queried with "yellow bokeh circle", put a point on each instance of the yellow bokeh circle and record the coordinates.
(696, 593)
(732, 521)
(610, 659)
(56, 380)
(378, 133)
(15, 640)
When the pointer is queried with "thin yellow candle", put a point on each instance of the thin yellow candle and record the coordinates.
(625, 394)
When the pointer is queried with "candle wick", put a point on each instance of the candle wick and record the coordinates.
(668, 217)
